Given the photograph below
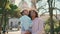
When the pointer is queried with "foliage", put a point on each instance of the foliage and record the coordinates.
(38, 0)
(10, 8)
(13, 8)
(47, 25)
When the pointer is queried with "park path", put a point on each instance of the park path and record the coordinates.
(15, 32)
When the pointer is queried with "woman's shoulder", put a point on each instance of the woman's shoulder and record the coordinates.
(39, 19)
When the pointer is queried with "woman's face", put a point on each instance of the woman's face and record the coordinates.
(33, 14)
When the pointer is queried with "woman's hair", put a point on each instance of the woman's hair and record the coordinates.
(33, 11)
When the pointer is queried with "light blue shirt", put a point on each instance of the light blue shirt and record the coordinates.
(26, 22)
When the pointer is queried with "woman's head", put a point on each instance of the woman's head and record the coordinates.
(33, 14)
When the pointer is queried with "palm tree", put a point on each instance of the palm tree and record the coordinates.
(51, 16)
(34, 3)
(6, 8)
(2, 6)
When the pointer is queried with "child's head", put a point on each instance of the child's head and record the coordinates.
(25, 12)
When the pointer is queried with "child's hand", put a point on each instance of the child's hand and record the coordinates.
(27, 32)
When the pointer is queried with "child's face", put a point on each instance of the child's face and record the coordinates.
(26, 12)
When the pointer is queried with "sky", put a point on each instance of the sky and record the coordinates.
(41, 4)
(28, 2)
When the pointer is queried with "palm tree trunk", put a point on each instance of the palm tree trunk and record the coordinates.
(4, 14)
(34, 3)
(51, 16)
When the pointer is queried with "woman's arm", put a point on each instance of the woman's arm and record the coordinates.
(40, 27)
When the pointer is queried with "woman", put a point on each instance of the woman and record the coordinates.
(37, 23)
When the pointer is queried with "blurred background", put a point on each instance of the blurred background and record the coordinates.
(48, 10)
